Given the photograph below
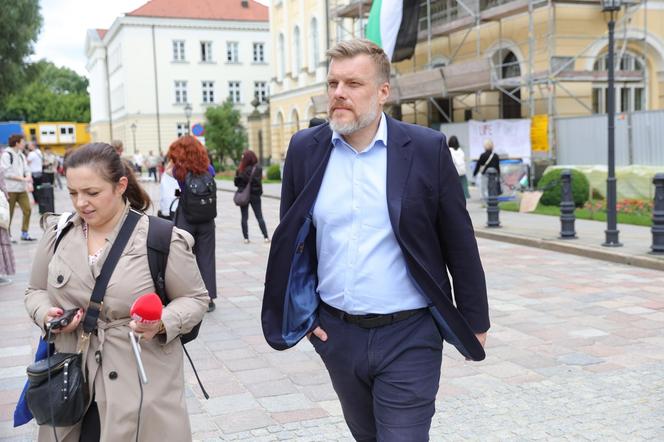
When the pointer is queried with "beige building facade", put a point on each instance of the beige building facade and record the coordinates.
(481, 60)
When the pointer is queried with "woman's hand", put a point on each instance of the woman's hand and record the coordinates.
(56, 312)
(147, 330)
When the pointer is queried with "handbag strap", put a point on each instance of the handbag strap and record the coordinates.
(96, 300)
(486, 165)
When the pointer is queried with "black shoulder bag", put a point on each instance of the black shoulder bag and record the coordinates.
(57, 393)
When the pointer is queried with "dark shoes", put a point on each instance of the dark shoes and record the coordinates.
(211, 306)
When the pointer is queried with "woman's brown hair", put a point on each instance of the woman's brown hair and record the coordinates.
(104, 158)
(248, 160)
(188, 155)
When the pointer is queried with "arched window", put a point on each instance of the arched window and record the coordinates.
(281, 63)
(630, 95)
(508, 67)
(315, 51)
(295, 121)
(297, 52)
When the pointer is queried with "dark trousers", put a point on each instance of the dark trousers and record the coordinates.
(204, 249)
(36, 182)
(152, 171)
(255, 203)
(386, 377)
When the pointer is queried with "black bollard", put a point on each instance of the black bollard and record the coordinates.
(567, 216)
(492, 209)
(658, 216)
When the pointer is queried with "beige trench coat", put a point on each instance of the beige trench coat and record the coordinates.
(66, 280)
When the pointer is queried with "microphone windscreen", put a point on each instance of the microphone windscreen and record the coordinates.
(147, 308)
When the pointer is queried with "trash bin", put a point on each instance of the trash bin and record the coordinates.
(46, 198)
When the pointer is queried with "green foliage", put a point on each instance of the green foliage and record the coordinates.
(54, 94)
(551, 184)
(21, 22)
(224, 133)
(274, 172)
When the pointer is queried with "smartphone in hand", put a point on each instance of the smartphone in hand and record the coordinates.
(63, 320)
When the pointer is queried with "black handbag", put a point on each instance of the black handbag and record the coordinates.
(57, 393)
(64, 394)
(242, 197)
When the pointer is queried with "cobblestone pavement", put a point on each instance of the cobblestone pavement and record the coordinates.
(575, 352)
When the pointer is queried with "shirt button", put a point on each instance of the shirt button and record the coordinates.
(60, 279)
(113, 375)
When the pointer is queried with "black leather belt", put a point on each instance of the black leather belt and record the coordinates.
(372, 320)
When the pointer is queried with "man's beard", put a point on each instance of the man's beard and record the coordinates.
(358, 123)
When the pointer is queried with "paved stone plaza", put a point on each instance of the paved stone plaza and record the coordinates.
(576, 352)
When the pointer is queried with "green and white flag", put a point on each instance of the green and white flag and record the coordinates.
(393, 26)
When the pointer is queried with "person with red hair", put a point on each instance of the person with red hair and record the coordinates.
(250, 173)
(187, 154)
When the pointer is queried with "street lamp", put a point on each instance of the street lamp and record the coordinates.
(187, 113)
(611, 232)
(133, 134)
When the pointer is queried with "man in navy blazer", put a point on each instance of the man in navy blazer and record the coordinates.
(372, 220)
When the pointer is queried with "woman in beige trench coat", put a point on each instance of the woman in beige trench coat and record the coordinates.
(103, 190)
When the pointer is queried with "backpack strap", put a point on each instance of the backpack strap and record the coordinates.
(159, 245)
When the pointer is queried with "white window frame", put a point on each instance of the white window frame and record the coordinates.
(232, 52)
(207, 89)
(297, 51)
(261, 91)
(206, 52)
(315, 45)
(234, 93)
(179, 51)
(181, 95)
(180, 129)
(623, 90)
(259, 52)
(282, 57)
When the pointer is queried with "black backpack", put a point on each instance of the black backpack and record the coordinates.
(198, 201)
(159, 245)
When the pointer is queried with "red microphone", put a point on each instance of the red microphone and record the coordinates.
(147, 309)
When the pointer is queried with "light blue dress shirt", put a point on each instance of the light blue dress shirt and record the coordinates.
(361, 268)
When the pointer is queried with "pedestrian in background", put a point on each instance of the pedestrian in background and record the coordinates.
(489, 158)
(187, 155)
(7, 262)
(36, 165)
(49, 164)
(459, 163)
(18, 181)
(250, 173)
(151, 163)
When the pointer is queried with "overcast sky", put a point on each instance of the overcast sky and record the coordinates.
(62, 37)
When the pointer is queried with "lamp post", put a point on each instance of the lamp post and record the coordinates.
(133, 135)
(187, 113)
(611, 240)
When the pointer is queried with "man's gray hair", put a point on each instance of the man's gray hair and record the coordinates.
(355, 47)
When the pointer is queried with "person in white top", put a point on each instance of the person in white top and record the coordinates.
(18, 181)
(459, 162)
(35, 163)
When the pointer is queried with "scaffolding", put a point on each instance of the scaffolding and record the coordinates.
(461, 78)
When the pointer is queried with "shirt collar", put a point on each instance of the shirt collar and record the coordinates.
(381, 136)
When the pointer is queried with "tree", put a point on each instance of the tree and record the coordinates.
(224, 133)
(21, 22)
(54, 94)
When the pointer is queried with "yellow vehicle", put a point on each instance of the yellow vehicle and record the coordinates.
(59, 135)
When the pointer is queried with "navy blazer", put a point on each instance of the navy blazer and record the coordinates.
(428, 214)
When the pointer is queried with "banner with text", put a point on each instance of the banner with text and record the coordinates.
(511, 138)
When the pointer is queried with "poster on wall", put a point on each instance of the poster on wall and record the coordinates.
(511, 138)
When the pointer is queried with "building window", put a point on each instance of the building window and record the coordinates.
(178, 50)
(234, 91)
(260, 91)
(297, 52)
(282, 57)
(630, 96)
(259, 53)
(315, 51)
(181, 129)
(208, 91)
(232, 54)
(180, 92)
(206, 51)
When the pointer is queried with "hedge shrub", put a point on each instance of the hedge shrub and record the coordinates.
(551, 196)
(274, 172)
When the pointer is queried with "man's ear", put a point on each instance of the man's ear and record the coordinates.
(383, 93)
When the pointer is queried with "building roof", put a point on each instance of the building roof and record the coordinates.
(101, 33)
(203, 10)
